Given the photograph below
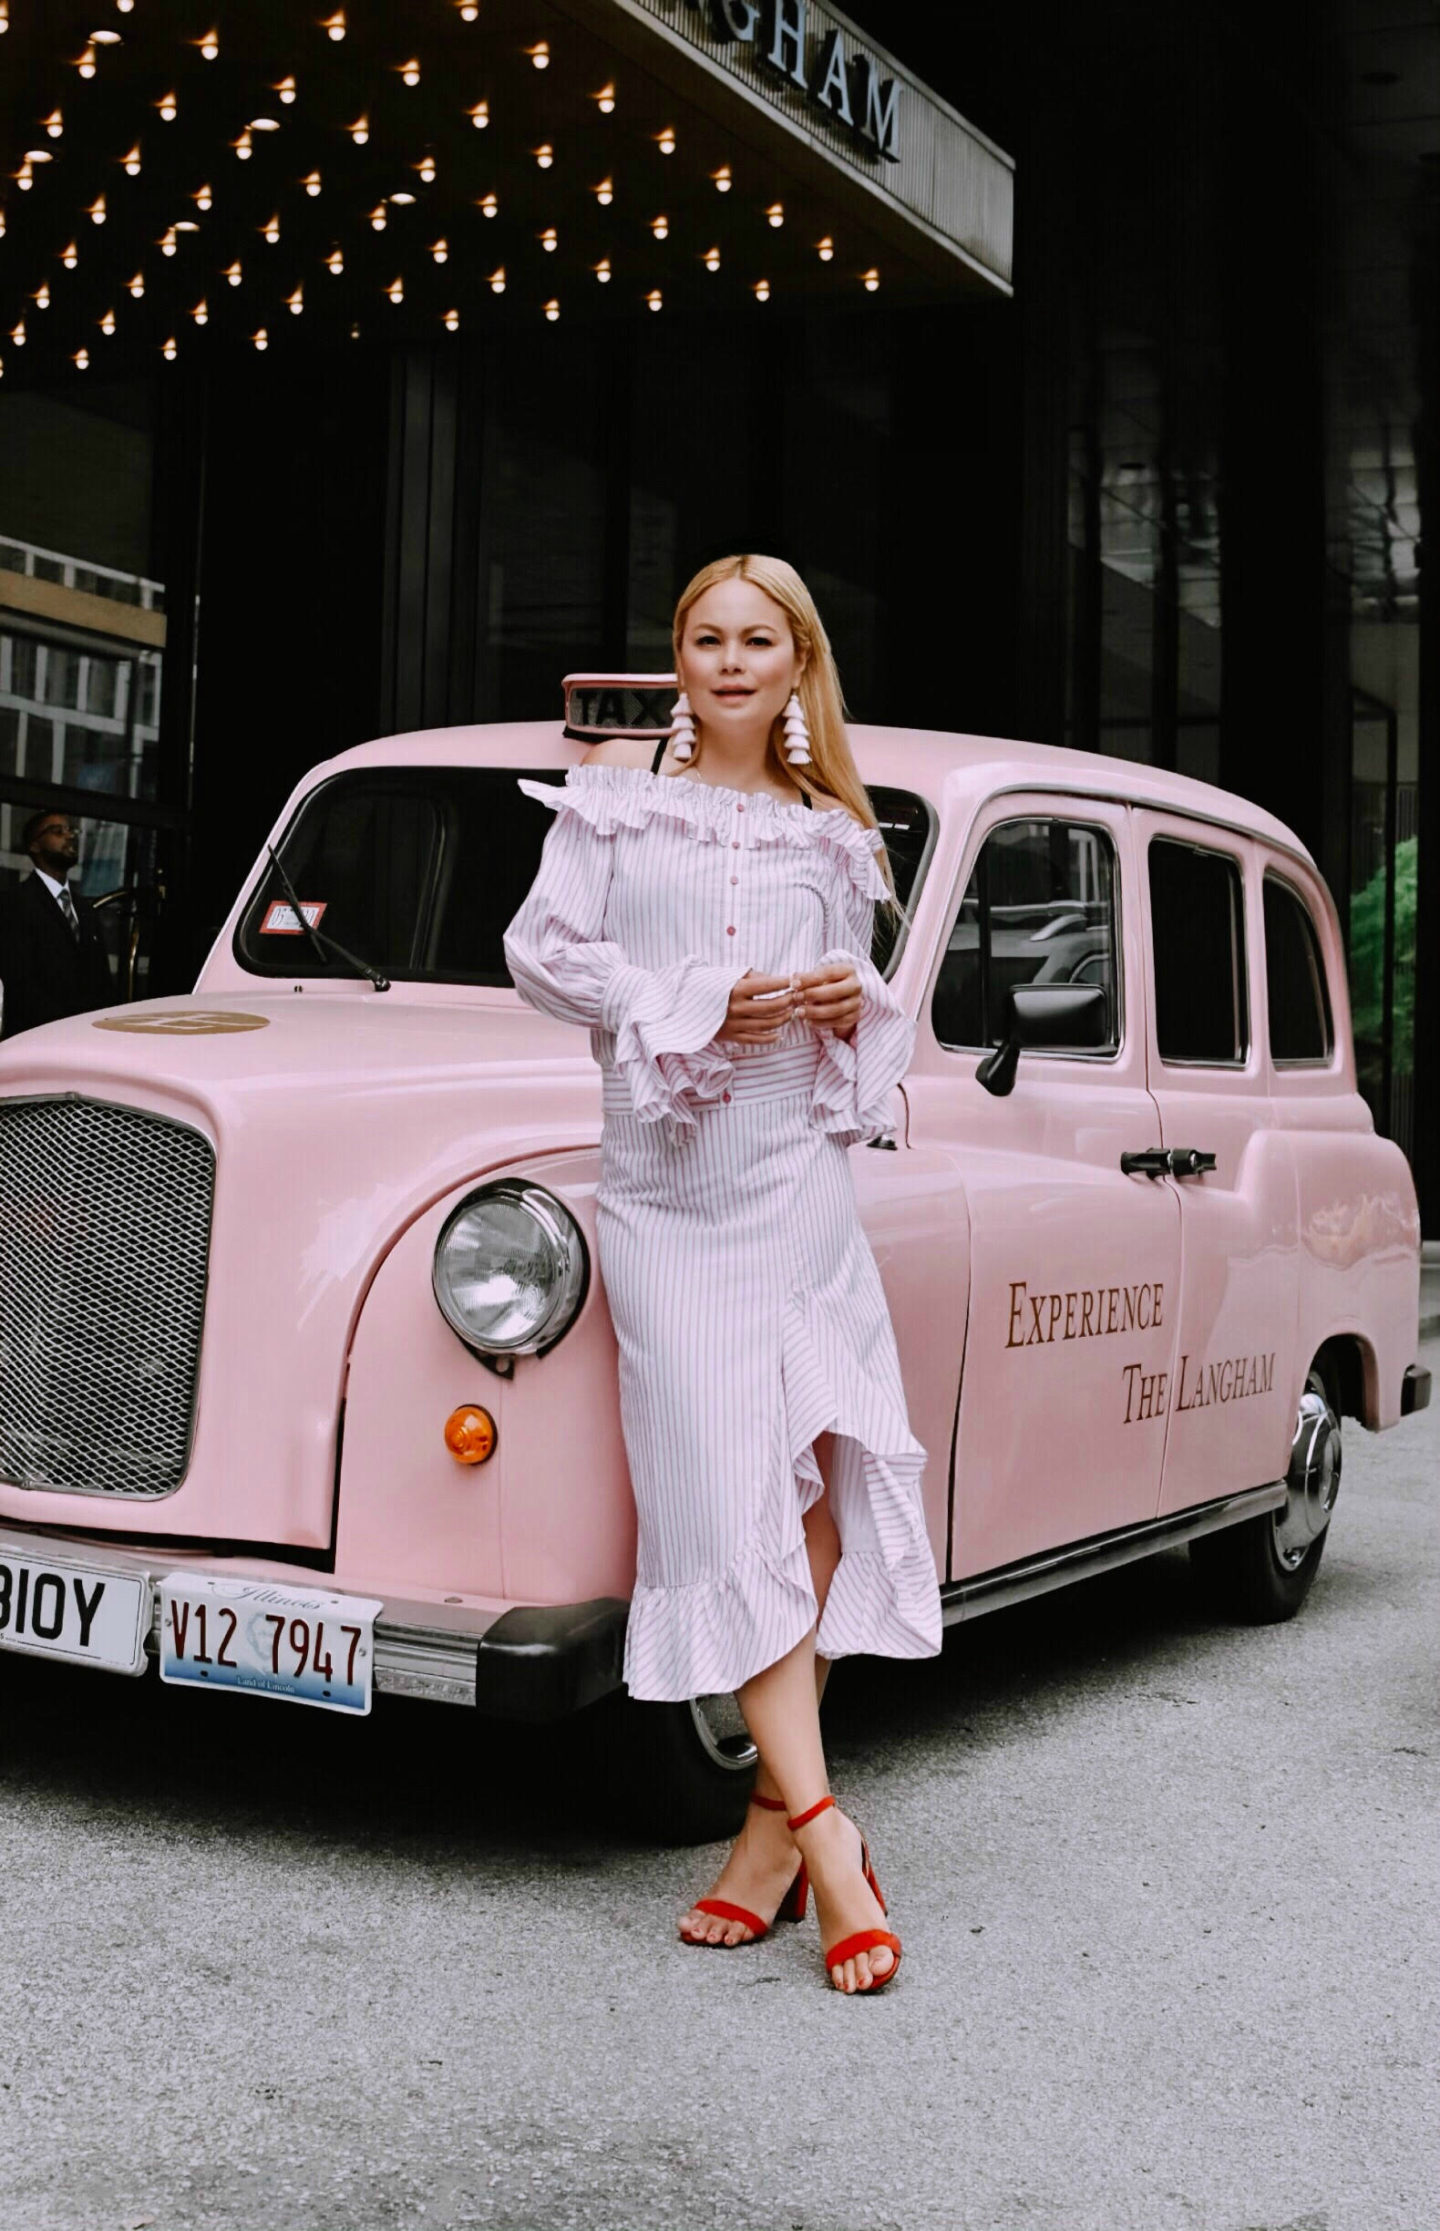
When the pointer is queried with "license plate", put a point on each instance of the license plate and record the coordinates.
(300, 1643)
(64, 1611)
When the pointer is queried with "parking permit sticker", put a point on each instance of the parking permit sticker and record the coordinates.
(280, 920)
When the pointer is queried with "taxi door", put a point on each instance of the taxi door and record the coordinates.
(1230, 1401)
(1073, 1265)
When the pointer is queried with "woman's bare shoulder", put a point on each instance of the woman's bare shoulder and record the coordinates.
(619, 751)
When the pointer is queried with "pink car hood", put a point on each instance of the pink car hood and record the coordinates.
(335, 1120)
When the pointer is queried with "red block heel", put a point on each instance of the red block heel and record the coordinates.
(791, 1907)
(863, 1940)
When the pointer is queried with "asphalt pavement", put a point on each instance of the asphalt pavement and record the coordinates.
(1167, 1890)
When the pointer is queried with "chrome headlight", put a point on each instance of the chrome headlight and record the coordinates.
(510, 1269)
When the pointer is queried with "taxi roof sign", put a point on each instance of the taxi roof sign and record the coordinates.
(600, 705)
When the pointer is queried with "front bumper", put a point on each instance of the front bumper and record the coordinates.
(532, 1662)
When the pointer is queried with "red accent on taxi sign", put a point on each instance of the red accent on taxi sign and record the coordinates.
(280, 917)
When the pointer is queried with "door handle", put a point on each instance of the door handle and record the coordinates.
(1167, 1161)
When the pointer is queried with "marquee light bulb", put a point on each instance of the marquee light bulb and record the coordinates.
(334, 25)
(54, 123)
(137, 286)
(263, 124)
(86, 63)
(186, 224)
(775, 214)
(497, 280)
(605, 192)
(261, 339)
(107, 324)
(602, 271)
(545, 156)
(271, 229)
(552, 311)
(655, 299)
(605, 100)
(286, 90)
(825, 249)
(233, 272)
(210, 45)
(167, 242)
(169, 351)
(489, 205)
(660, 226)
(203, 198)
(24, 178)
(169, 107)
(426, 168)
(451, 321)
(96, 210)
(81, 360)
(105, 38)
(4, 15)
(402, 200)
(540, 56)
(440, 250)
(243, 146)
(335, 263)
(665, 140)
(201, 313)
(311, 183)
(469, 11)
(42, 296)
(360, 130)
(38, 155)
(762, 290)
(123, 7)
(712, 259)
(480, 115)
(295, 302)
(17, 333)
(870, 281)
(549, 240)
(131, 161)
(377, 217)
(723, 179)
(409, 71)
(69, 255)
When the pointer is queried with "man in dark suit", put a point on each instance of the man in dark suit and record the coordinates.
(52, 956)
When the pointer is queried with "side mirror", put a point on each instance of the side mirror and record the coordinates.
(1063, 1018)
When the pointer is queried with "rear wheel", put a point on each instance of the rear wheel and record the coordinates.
(1262, 1572)
(683, 1772)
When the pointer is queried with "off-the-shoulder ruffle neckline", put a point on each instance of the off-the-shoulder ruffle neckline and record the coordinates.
(689, 786)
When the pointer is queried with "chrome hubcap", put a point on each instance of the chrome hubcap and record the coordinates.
(1313, 1480)
(723, 1735)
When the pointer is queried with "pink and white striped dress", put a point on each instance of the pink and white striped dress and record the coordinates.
(746, 1301)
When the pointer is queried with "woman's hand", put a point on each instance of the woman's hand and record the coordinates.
(830, 998)
(759, 1009)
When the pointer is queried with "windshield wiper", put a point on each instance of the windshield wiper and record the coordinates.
(318, 938)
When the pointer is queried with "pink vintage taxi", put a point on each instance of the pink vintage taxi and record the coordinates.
(307, 1381)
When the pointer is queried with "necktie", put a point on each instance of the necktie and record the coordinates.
(67, 908)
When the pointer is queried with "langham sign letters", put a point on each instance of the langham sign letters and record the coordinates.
(841, 80)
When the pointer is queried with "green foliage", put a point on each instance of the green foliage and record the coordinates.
(1367, 954)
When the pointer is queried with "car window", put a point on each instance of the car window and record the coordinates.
(1039, 909)
(419, 870)
(1299, 1003)
(1197, 922)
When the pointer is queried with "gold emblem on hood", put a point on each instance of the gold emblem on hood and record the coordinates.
(185, 1022)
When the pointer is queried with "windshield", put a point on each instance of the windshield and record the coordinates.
(421, 869)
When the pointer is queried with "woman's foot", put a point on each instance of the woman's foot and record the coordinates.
(844, 1901)
(759, 1871)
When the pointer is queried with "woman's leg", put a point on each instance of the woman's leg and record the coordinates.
(763, 1860)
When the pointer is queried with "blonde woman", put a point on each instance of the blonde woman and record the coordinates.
(708, 914)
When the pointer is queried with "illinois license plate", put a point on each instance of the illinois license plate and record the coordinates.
(300, 1643)
(63, 1611)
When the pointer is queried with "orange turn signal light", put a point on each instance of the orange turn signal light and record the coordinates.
(470, 1434)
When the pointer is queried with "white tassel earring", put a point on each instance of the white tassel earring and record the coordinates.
(682, 729)
(797, 734)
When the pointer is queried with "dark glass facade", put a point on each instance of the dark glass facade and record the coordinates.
(1165, 503)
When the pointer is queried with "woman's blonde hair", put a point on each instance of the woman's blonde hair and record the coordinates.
(832, 769)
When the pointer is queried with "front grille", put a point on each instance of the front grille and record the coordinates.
(104, 1246)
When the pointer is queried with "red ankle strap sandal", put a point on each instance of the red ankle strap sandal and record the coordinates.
(863, 1940)
(791, 1908)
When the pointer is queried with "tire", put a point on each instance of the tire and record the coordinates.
(682, 1772)
(1261, 1572)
